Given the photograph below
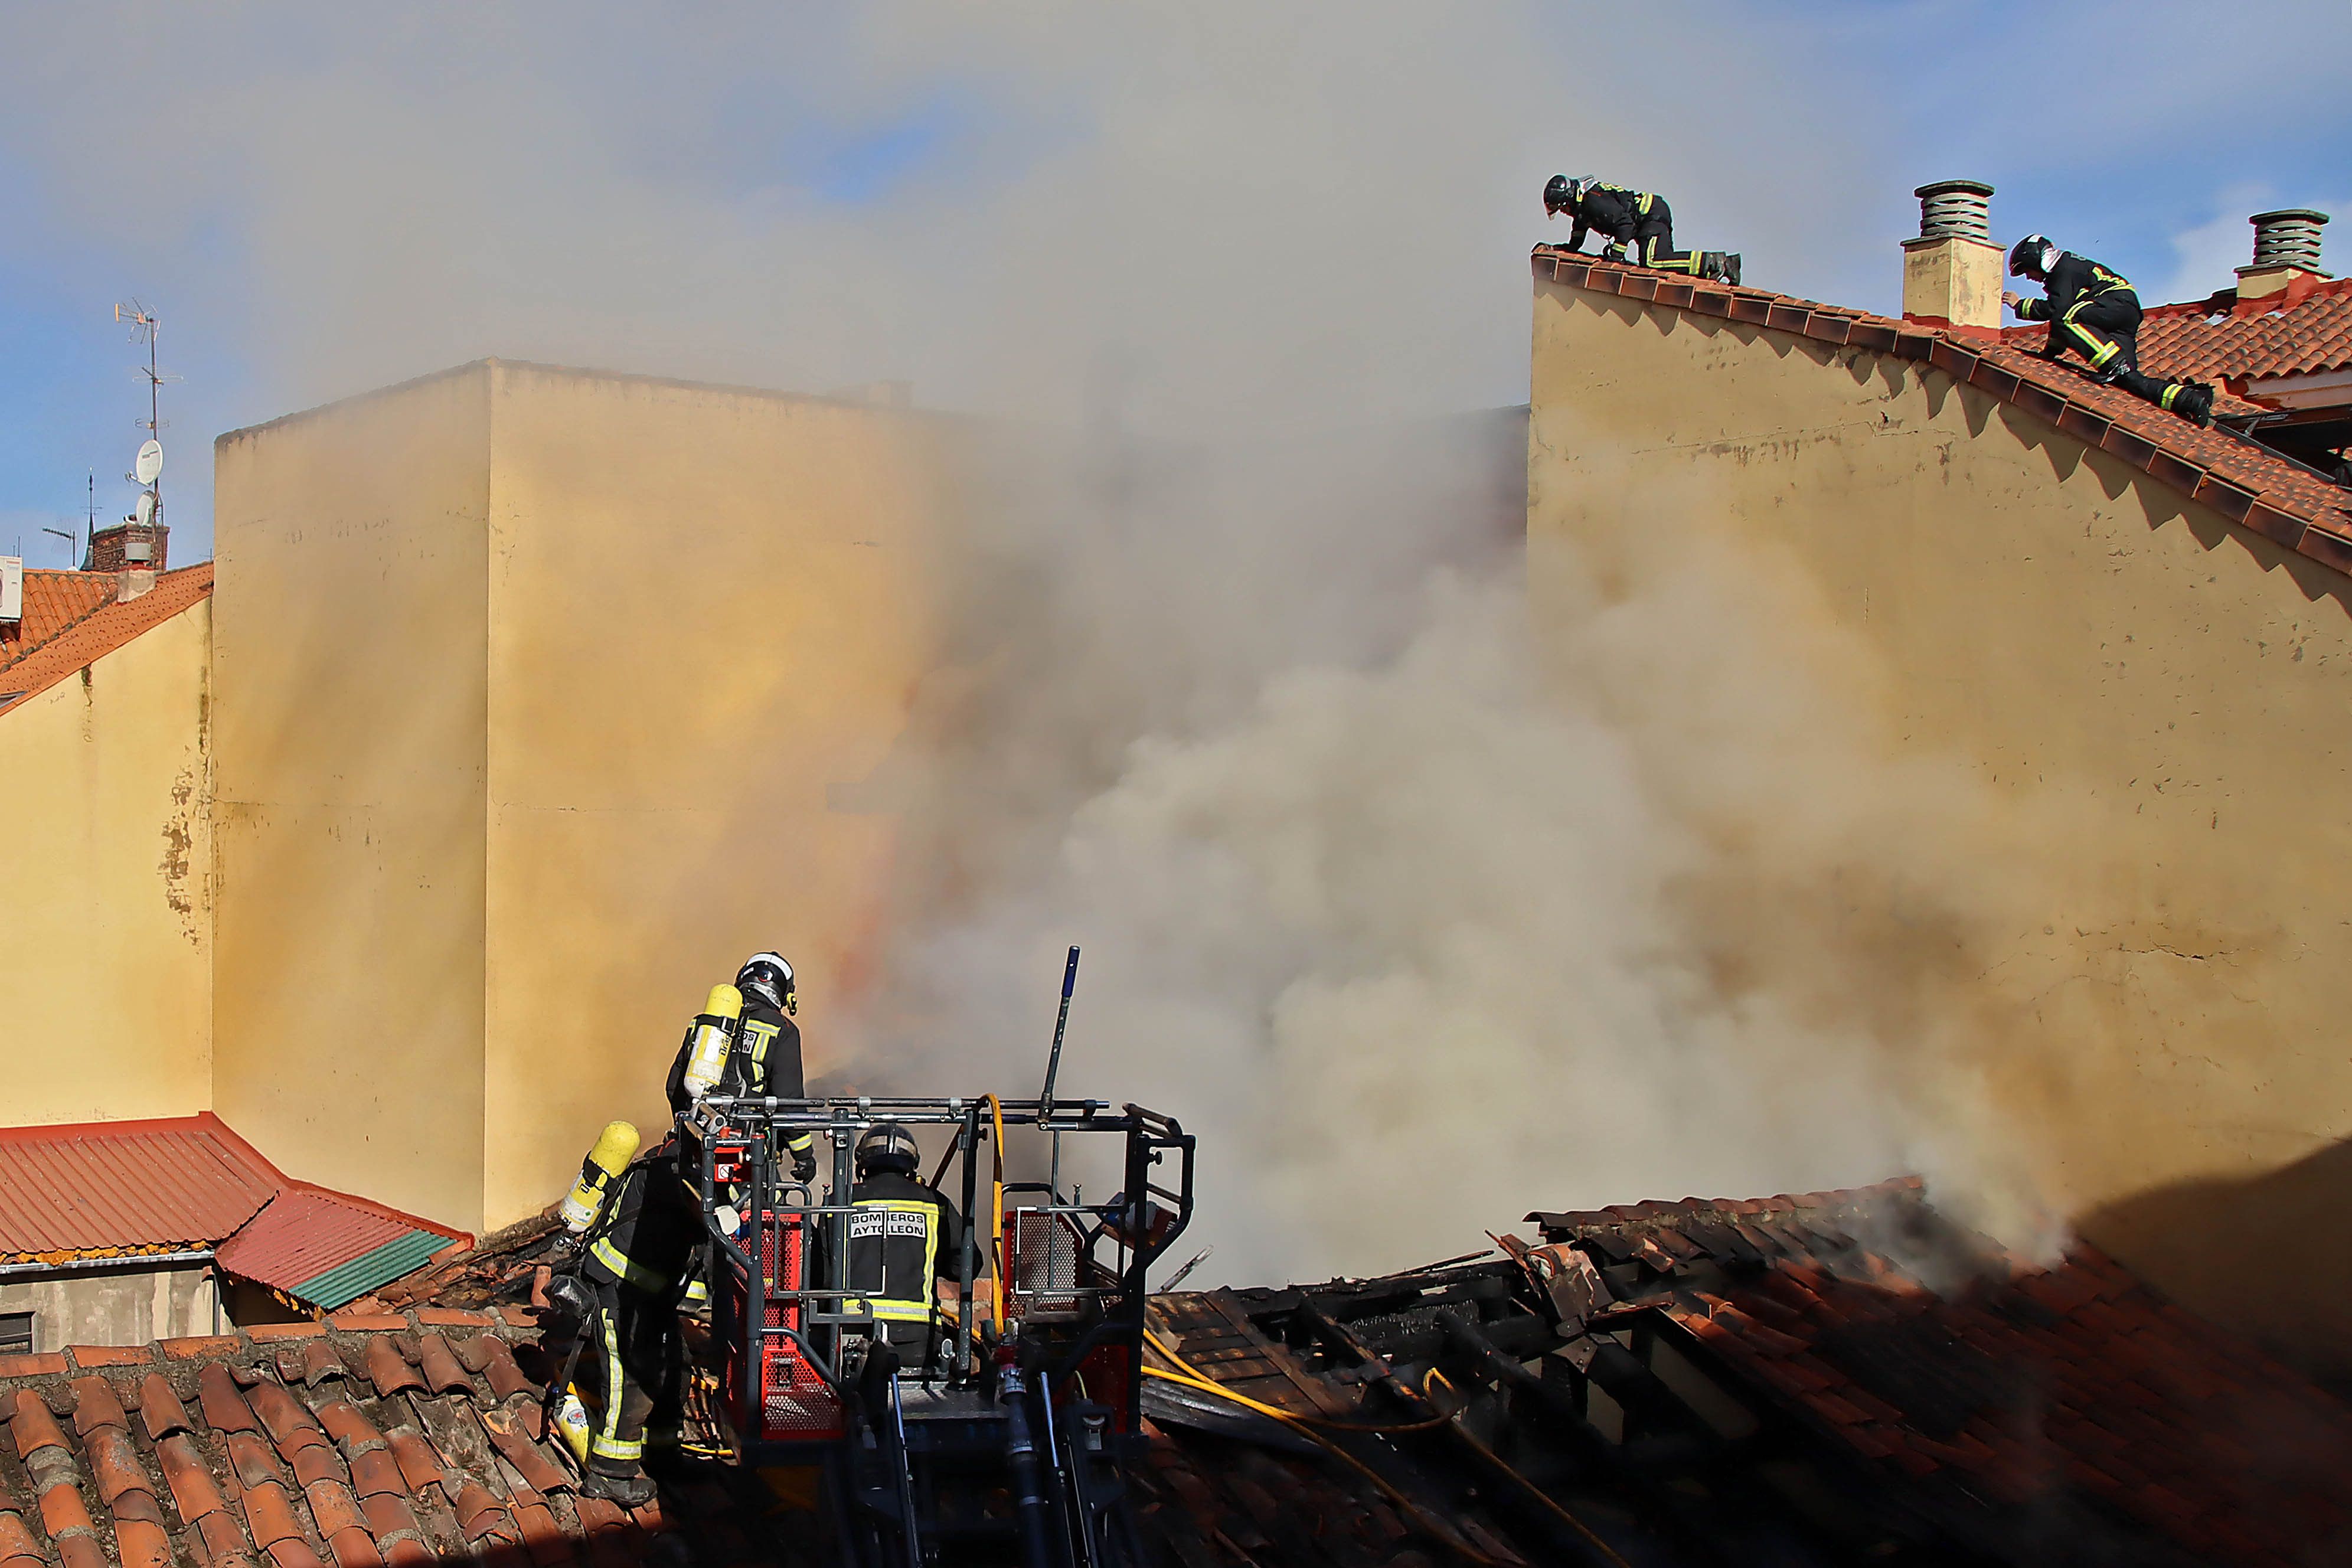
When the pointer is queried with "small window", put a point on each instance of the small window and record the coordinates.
(16, 1333)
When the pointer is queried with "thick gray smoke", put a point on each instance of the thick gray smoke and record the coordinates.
(1420, 911)
(1422, 914)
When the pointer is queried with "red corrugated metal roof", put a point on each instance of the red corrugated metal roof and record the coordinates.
(113, 1186)
(307, 1231)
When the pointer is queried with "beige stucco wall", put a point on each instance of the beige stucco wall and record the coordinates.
(554, 692)
(349, 649)
(126, 1306)
(709, 610)
(106, 972)
(2148, 713)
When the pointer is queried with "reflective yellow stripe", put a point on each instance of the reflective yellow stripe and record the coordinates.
(908, 1309)
(757, 1036)
(1642, 204)
(698, 1291)
(613, 1257)
(606, 1439)
(2175, 390)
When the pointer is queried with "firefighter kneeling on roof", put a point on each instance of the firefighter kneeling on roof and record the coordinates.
(1635, 218)
(637, 1226)
(2096, 313)
(903, 1237)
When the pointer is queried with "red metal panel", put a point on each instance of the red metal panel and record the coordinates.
(304, 1233)
(106, 1186)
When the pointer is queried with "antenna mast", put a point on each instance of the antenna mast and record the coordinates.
(145, 327)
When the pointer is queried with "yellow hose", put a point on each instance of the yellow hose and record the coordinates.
(996, 1211)
(1196, 1378)
(1306, 1426)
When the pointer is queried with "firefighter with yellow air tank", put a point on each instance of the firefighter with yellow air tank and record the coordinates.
(637, 1228)
(638, 1225)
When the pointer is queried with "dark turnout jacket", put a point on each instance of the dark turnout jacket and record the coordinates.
(2075, 280)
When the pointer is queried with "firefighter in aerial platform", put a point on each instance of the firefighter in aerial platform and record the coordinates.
(904, 1238)
(637, 1226)
(743, 1042)
(1631, 218)
(2095, 313)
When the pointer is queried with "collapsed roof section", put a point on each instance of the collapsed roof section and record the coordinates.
(1767, 1381)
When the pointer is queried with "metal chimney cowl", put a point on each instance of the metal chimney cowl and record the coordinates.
(2287, 249)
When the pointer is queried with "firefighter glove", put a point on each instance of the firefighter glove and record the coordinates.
(804, 1166)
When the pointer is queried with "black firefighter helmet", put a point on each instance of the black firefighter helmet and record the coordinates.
(2032, 257)
(768, 977)
(886, 1146)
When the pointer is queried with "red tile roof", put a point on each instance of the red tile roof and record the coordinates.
(71, 621)
(366, 1443)
(2299, 331)
(119, 1186)
(2013, 1390)
(2245, 482)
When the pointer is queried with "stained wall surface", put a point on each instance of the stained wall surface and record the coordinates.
(555, 693)
(349, 649)
(106, 972)
(2152, 708)
(127, 1306)
(708, 611)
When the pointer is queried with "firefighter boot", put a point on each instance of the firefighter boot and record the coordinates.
(622, 1481)
(1722, 266)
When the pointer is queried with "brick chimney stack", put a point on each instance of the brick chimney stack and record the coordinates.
(2286, 252)
(1952, 272)
(129, 547)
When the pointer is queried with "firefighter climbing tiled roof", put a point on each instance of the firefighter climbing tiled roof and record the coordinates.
(2247, 484)
(2299, 330)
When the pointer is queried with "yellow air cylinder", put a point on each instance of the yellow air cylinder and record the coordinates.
(711, 1036)
(616, 1147)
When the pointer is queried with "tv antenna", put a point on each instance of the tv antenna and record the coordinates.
(145, 327)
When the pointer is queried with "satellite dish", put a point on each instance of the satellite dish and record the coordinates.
(151, 462)
(145, 511)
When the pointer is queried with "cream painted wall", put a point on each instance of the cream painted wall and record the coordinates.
(106, 972)
(547, 687)
(2157, 705)
(350, 647)
(708, 608)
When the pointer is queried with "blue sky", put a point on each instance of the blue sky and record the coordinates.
(1319, 209)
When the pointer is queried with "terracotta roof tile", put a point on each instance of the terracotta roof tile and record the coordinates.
(2244, 481)
(2299, 331)
(2023, 1383)
(79, 622)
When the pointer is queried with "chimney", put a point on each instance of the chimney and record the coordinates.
(12, 597)
(1952, 272)
(2286, 252)
(128, 546)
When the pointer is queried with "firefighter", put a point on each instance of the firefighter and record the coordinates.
(1634, 218)
(903, 1236)
(745, 1043)
(641, 1232)
(2095, 313)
